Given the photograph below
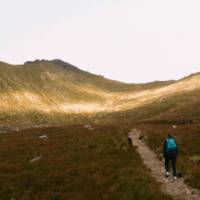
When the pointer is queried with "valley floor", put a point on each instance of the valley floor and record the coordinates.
(74, 162)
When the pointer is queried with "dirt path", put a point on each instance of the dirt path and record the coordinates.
(176, 189)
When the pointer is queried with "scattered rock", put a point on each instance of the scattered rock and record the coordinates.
(196, 121)
(174, 126)
(35, 159)
(88, 126)
(5, 129)
(43, 137)
(188, 192)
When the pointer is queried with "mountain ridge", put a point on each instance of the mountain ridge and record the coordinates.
(56, 87)
(71, 66)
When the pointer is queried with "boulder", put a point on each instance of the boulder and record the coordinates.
(35, 159)
(43, 137)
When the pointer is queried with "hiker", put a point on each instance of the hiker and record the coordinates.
(170, 152)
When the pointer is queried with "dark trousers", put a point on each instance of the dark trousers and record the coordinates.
(171, 158)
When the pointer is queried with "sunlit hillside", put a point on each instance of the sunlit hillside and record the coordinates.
(178, 101)
(72, 131)
(54, 87)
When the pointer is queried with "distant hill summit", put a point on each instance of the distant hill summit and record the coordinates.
(42, 88)
(55, 61)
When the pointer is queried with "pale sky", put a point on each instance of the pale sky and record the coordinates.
(126, 40)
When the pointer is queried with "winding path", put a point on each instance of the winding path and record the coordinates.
(176, 189)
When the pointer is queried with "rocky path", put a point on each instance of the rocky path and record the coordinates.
(175, 188)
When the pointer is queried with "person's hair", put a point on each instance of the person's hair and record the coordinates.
(169, 136)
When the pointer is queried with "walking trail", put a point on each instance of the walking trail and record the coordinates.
(177, 189)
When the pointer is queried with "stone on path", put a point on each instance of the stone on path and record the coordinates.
(174, 126)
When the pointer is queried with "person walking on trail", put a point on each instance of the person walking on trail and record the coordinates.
(170, 152)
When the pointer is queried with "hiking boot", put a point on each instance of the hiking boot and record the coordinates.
(167, 174)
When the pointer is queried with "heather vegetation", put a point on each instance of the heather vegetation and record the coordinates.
(75, 125)
(73, 162)
(187, 136)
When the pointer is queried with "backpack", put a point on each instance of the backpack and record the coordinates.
(171, 144)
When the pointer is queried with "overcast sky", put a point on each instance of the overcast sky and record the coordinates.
(126, 40)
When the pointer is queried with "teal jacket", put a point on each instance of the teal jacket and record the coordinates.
(166, 152)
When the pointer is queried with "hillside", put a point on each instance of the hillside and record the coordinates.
(52, 87)
(179, 102)
(41, 89)
(87, 155)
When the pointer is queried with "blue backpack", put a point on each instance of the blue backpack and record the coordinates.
(171, 144)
